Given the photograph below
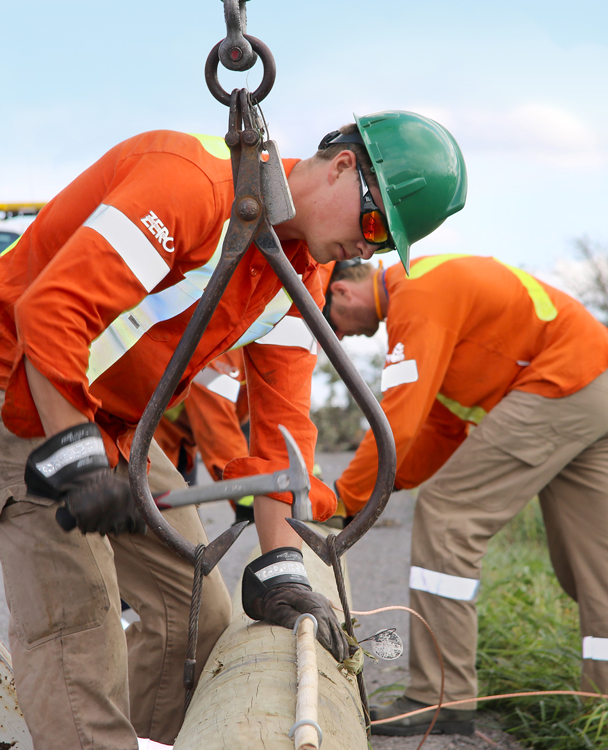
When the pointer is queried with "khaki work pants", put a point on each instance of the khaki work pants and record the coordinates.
(81, 681)
(527, 445)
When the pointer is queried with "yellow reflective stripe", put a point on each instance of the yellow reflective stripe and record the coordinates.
(19, 208)
(10, 247)
(543, 306)
(247, 501)
(467, 413)
(421, 267)
(214, 144)
(173, 413)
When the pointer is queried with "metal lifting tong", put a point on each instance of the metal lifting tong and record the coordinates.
(261, 199)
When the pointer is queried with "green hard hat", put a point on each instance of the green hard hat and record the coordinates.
(421, 173)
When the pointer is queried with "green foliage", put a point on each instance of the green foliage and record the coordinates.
(339, 421)
(529, 640)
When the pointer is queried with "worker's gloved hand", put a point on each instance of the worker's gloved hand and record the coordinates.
(73, 467)
(102, 502)
(276, 588)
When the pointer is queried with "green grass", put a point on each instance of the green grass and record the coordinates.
(529, 640)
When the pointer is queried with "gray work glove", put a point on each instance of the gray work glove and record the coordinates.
(73, 467)
(276, 588)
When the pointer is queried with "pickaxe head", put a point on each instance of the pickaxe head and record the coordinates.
(299, 481)
(317, 543)
(216, 549)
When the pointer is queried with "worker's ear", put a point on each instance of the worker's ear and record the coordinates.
(343, 162)
(341, 289)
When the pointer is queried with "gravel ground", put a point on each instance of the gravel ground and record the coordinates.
(378, 569)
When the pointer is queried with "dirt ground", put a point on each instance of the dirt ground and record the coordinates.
(378, 568)
(487, 736)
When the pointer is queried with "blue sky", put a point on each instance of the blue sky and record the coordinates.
(523, 86)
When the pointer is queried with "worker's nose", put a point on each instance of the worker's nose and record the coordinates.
(365, 249)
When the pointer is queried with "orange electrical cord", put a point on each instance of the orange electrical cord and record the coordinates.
(377, 294)
(440, 704)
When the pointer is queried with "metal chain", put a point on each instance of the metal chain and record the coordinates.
(338, 573)
(195, 609)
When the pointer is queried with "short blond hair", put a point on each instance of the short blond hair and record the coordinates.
(357, 273)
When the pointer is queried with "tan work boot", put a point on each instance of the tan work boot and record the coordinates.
(449, 721)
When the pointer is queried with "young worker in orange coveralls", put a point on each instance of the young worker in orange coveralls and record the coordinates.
(473, 340)
(93, 300)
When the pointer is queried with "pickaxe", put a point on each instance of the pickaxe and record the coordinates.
(294, 479)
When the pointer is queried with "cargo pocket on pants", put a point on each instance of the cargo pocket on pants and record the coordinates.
(519, 428)
(54, 586)
(530, 448)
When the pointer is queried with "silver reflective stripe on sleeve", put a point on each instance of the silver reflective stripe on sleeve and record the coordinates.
(91, 446)
(595, 648)
(274, 311)
(402, 372)
(219, 383)
(291, 332)
(130, 326)
(282, 569)
(130, 243)
(441, 584)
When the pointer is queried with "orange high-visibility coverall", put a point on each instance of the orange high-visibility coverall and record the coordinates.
(96, 294)
(463, 332)
(210, 418)
(474, 341)
(100, 256)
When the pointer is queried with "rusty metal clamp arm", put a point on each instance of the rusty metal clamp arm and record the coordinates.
(243, 224)
(268, 243)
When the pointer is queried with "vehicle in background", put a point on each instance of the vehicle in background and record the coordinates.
(15, 218)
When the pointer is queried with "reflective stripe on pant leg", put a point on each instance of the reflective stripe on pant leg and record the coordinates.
(595, 648)
(450, 587)
(512, 454)
(575, 510)
(453, 619)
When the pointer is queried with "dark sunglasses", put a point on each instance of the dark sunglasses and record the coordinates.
(373, 222)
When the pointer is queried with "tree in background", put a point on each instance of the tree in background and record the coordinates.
(587, 278)
(339, 420)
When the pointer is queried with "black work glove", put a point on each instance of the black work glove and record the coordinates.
(276, 588)
(102, 502)
(73, 467)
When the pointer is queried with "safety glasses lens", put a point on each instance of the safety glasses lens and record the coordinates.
(374, 229)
